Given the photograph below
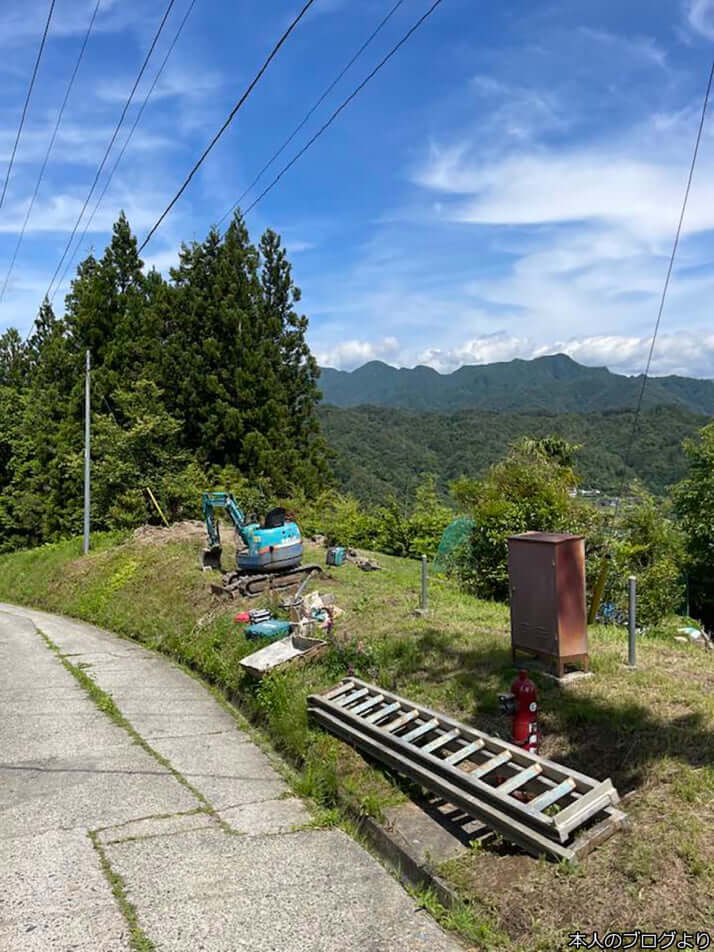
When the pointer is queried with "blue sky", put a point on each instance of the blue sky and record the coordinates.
(507, 186)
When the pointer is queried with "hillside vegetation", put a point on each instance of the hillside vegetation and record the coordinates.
(651, 730)
(199, 380)
(381, 451)
(554, 384)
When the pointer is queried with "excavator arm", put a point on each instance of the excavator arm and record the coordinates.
(211, 557)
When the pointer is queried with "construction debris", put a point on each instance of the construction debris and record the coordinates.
(271, 628)
(256, 615)
(544, 807)
(367, 565)
(319, 609)
(695, 635)
(295, 649)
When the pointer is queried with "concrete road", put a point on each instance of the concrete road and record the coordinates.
(161, 821)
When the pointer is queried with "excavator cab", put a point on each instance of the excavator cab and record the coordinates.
(275, 518)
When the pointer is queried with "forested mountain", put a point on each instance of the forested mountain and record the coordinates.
(203, 378)
(382, 451)
(552, 384)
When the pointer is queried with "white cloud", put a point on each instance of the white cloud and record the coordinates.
(162, 261)
(518, 112)
(608, 182)
(689, 354)
(700, 15)
(628, 47)
(59, 213)
(23, 22)
(353, 353)
(175, 82)
(487, 349)
(296, 247)
(76, 143)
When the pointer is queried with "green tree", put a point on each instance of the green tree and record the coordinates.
(694, 501)
(193, 381)
(144, 450)
(298, 371)
(13, 359)
(647, 543)
(528, 490)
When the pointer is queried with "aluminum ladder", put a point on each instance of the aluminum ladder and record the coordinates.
(529, 800)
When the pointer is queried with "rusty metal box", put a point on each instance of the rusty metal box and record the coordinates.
(546, 572)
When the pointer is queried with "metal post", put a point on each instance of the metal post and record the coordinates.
(87, 412)
(687, 610)
(424, 604)
(632, 617)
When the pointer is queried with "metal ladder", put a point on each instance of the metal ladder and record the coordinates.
(529, 800)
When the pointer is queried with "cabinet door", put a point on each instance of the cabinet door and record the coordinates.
(572, 613)
(534, 617)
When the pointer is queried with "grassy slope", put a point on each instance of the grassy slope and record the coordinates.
(651, 730)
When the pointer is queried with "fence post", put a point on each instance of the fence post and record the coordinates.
(424, 602)
(632, 618)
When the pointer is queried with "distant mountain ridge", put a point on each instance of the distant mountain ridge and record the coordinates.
(556, 384)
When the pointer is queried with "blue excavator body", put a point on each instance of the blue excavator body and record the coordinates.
(276, 546)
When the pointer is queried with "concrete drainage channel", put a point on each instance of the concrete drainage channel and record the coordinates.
(134, 815)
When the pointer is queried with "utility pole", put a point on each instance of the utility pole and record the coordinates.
(87, 412)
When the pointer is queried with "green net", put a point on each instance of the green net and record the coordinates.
(453, 540)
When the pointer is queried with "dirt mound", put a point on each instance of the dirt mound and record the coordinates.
(190, 530)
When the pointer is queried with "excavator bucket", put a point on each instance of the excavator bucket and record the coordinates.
(211, 559)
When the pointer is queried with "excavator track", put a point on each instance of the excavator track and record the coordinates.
(241, 584)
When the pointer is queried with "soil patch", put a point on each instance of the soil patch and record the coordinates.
(190, 530)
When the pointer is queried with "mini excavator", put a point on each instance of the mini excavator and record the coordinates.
(268, 556)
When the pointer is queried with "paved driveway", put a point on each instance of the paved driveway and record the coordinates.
(161, 821)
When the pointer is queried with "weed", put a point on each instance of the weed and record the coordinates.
(318, 779)
(324, 819)
(476, 847)
(695, 785)
(463, 918)
(138, 939)
(568, 869)
(641, 863)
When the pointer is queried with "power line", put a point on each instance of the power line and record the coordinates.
(228, 121)
(343, 105)
(124, 146)
(49, 150)
(319, 102)
(660, 310)
(111, 144)
(27, 101)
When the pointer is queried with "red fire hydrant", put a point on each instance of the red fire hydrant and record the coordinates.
(522, 704)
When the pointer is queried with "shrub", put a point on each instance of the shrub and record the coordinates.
(528, 490)
(694, 501)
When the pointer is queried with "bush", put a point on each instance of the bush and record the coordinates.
(531, 490)
(649, 545)
(528, 490)
(694, 501)
(391, 529)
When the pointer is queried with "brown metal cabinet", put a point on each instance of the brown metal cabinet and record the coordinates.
(546, 573)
